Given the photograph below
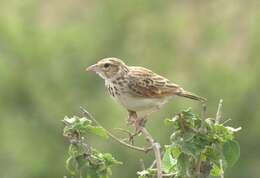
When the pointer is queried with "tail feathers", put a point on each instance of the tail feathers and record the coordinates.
(192, 96)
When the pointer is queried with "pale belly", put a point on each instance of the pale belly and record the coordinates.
(141, 104)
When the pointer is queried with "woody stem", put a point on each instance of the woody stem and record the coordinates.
(155, 145)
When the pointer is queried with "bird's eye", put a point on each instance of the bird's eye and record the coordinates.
(106, 65)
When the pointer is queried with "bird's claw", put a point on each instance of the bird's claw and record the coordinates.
(132, 136)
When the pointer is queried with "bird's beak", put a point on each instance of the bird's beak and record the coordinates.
(92, 68)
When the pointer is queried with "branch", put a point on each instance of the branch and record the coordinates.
(130, 135)
(155, 145)
(88, 115)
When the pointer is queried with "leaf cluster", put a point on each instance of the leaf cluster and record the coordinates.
(198, 149)
(85, 161)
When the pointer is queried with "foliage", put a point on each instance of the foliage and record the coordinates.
(85, 161)
(194, 150)
(198, 148)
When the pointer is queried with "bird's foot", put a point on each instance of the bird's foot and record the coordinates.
(132, 136)
(137, 123)
(132, 117)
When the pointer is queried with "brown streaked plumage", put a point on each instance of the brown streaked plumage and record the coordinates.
(137, 88)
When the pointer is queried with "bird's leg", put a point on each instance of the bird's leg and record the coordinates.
(136, 122)
(132, 117)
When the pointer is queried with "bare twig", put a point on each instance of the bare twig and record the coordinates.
(88, 115)
(130, 135)
(218, 115)
(124, 131)
(221, 167)
(169, 175)
(203, 113)
(153, 164)
(155, 146)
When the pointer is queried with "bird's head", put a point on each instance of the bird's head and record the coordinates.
(109, 68)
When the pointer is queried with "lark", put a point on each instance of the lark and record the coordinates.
(137, 88)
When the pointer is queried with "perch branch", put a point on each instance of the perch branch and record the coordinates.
(155, 146)
(88, 115)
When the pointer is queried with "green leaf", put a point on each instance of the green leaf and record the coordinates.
(188, 136)
(100, 131)
(173, 122)
(231, 151)
(214, 153)
(168, 162)
(191, 149)
(175, 136)
(182, 164)
(110, 159)
(215, 170)
(221, 133)
(81, 161)
(72, 165)
(187, 113)
(176, 150)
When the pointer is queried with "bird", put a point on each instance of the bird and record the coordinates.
(137, 88)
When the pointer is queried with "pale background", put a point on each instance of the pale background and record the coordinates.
(208, 47)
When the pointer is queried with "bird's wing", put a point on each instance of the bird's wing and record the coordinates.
(145, 83)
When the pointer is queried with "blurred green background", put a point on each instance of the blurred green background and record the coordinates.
(209, 47)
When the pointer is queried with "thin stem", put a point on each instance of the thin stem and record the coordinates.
(169, 175)
(198, 165)
(88, 115)
(221, 167)
(218, 114)
(182, 123)
(218, 118)
(153, 164)
(203, 113)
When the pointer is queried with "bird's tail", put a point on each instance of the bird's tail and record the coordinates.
(192, 96)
